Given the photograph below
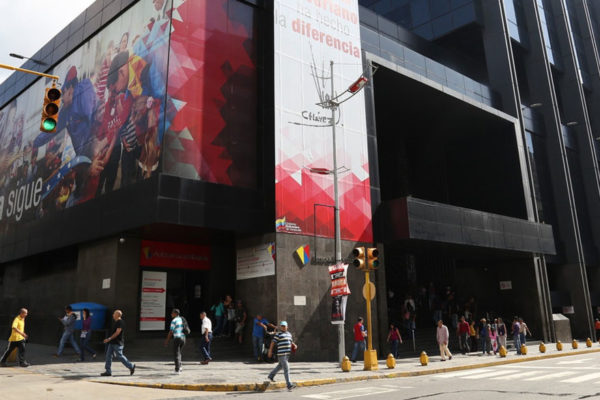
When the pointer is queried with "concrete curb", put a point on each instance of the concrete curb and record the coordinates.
(261, 387)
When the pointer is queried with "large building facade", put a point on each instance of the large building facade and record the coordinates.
(195, 149)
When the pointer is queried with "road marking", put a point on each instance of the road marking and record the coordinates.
(550, 376)
(520, 375)
(490, 374)
(576, 361)
(462, 373)
(397, 387)
(347, 394)
(582, 378)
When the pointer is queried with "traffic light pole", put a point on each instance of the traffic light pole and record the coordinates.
(338, 239)
(27, 71)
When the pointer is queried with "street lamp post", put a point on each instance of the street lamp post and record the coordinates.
(338, 239)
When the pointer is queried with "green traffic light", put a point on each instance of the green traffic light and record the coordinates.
(49, 124)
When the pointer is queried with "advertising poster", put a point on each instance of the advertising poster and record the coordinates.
(153, 301)
(213, 87)
(110, 125)
(308, 35)
(254, 262)
(184, 67)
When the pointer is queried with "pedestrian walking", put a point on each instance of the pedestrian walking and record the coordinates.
(394, 338)
(523, 331)
(115, 344)
(597, 328)
(473, 336)
(284, 342)
(207, 336)
(516, 327)
(68, 322)
(462, 331)
(501, 330)
(17, 339)
(494, 339)
(176, 331)
(360, 333)
(240, 320)
(442, 336)
(259, 327)
(484, 337)
(86, 333)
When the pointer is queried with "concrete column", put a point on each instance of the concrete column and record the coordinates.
(542, 89)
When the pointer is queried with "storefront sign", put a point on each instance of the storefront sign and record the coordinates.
(505, 285)
(174, 255)
(153, 300)
(254, 262)
(568, 310)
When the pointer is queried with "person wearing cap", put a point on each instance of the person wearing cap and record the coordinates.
(283, 341)
(178, 335)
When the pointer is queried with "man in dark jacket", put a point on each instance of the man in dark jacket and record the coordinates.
(68, 322)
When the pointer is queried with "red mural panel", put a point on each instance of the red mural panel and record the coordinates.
(213, 88)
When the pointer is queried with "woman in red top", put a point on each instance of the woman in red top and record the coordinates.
(394, 338)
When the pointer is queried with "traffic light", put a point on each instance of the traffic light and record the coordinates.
(359, 257)
(50, 109)
(372, 258)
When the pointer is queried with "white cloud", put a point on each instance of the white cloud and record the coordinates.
(27, 25)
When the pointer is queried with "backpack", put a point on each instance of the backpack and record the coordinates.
(186, 326)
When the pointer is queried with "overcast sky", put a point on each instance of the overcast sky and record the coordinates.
(27, 25)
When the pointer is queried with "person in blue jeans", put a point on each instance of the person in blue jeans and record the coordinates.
(484, 336)
(207, 335)
(68, 322)
(259, 327)
(86, 333)
(114, 345)
(360, 333)
(516, 327)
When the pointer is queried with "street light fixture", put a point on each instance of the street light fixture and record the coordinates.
(20, 57)
(572, 123)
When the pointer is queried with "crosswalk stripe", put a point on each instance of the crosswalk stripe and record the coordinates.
(490, 374)
(519, 374)
(582, 378)
(462, 373)
(550, 376)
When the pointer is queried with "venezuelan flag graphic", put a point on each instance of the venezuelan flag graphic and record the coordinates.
(271, 249)
(280, 223)
(304, 254)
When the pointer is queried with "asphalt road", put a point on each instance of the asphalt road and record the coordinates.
(574, 377)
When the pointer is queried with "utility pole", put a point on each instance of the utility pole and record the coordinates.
(338, 239)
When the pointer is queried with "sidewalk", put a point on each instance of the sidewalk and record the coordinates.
(245, 376)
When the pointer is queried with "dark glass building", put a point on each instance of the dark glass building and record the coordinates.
(193, 159)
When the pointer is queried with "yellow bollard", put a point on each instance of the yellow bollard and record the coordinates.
(502, 351)
(559, 345)
(391, 361)
(424, 358)
(575, 344)
(346, 364)
(523, 349)
(542, 347)
(588, 342)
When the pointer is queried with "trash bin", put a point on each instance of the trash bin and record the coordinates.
(97, 312)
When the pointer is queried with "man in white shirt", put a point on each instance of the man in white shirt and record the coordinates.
(206, 338)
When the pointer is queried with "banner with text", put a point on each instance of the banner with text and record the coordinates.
(309, 34)
(153, 301)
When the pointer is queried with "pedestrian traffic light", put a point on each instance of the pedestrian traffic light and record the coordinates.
(50, 109)
(372, 258)
(359, 257)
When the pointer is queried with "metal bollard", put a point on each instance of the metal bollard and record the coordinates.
(424, 358)
(391, 361)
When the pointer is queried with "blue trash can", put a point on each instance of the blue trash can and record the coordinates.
(97, 312)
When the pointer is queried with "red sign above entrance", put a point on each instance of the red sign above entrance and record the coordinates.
(174, 255)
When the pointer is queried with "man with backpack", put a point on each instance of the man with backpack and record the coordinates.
(178, 330)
